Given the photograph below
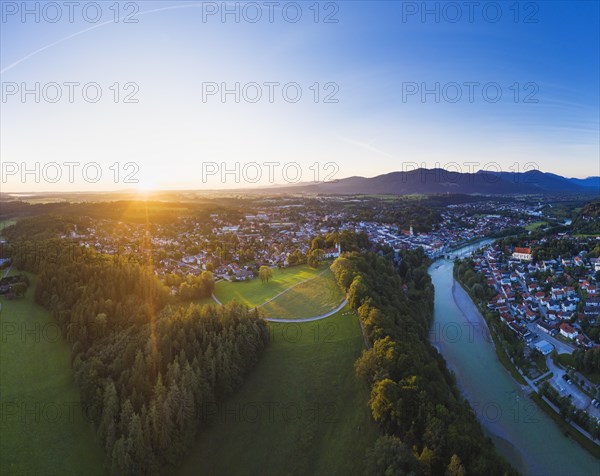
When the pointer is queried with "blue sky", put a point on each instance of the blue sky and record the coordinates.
(372, 54)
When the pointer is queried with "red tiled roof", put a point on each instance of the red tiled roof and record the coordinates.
(523, 250)
(567, 328)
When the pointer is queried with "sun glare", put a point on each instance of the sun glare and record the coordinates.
(144, 187)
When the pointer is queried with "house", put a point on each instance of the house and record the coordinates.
(593, 301)
(583, 341)
(567, 331)
(547, 328)
(565, 316)
(530, 315)
(543, 347)
(591, 311)
(244, 275)
(532, 287)
(553, 305)
(539, 295)
(333, 252)
(522, 254)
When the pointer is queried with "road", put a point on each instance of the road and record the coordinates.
(579, 398)
(560, 346)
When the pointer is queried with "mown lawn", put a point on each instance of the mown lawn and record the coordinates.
(535, 225)
(301, 411)
(254, 292)
(312, 298)
(43, 430)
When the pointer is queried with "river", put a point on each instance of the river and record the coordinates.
(521, 432)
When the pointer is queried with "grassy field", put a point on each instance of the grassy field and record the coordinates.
(254, 292)
(301, 411)
(311, 298)
(535, 225)
(43, 428)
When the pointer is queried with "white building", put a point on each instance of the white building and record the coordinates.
(333, 252)
(522, 254)
(567, 331)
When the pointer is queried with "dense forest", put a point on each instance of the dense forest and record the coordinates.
(587, 361)
(429, 428)
(587, 220)
(147, 371)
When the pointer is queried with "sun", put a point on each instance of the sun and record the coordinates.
(144, 187)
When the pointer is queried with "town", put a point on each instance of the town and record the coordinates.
(551, 304)
(233, 244)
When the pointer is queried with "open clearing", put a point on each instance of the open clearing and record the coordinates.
(311, 298)
(43, 428)
(535, 225)
(254, 292)
(301, 411)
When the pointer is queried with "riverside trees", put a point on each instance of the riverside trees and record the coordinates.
(414, 397)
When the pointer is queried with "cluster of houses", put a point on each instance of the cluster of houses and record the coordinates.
(459, 224)
(556, 303)
(233, 247)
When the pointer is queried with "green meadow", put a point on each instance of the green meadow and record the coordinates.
(301, 411)
(43, 430)
(311, 298)
(535, 225)
(254, 292)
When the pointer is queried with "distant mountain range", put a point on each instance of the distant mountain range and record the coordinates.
(440, 181)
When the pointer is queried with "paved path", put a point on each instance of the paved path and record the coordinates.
(216, 300)
(537, 379)
(310, 319)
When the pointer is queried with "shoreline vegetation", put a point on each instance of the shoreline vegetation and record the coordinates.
(566, 427)
(414, 397)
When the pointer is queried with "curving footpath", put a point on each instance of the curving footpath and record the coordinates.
(304, 319)
(309, 319)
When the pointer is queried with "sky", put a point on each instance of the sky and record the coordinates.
(204, 95)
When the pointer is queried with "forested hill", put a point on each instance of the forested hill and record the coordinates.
(588, 219)
(429, 428)
(147, 372)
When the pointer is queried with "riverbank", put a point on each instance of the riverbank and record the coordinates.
(466, 303)
(472, 315)
(510, 418)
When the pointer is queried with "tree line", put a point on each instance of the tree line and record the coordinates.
(429, 427)
(148, 369)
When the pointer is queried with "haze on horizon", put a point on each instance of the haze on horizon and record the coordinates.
(358, 115)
